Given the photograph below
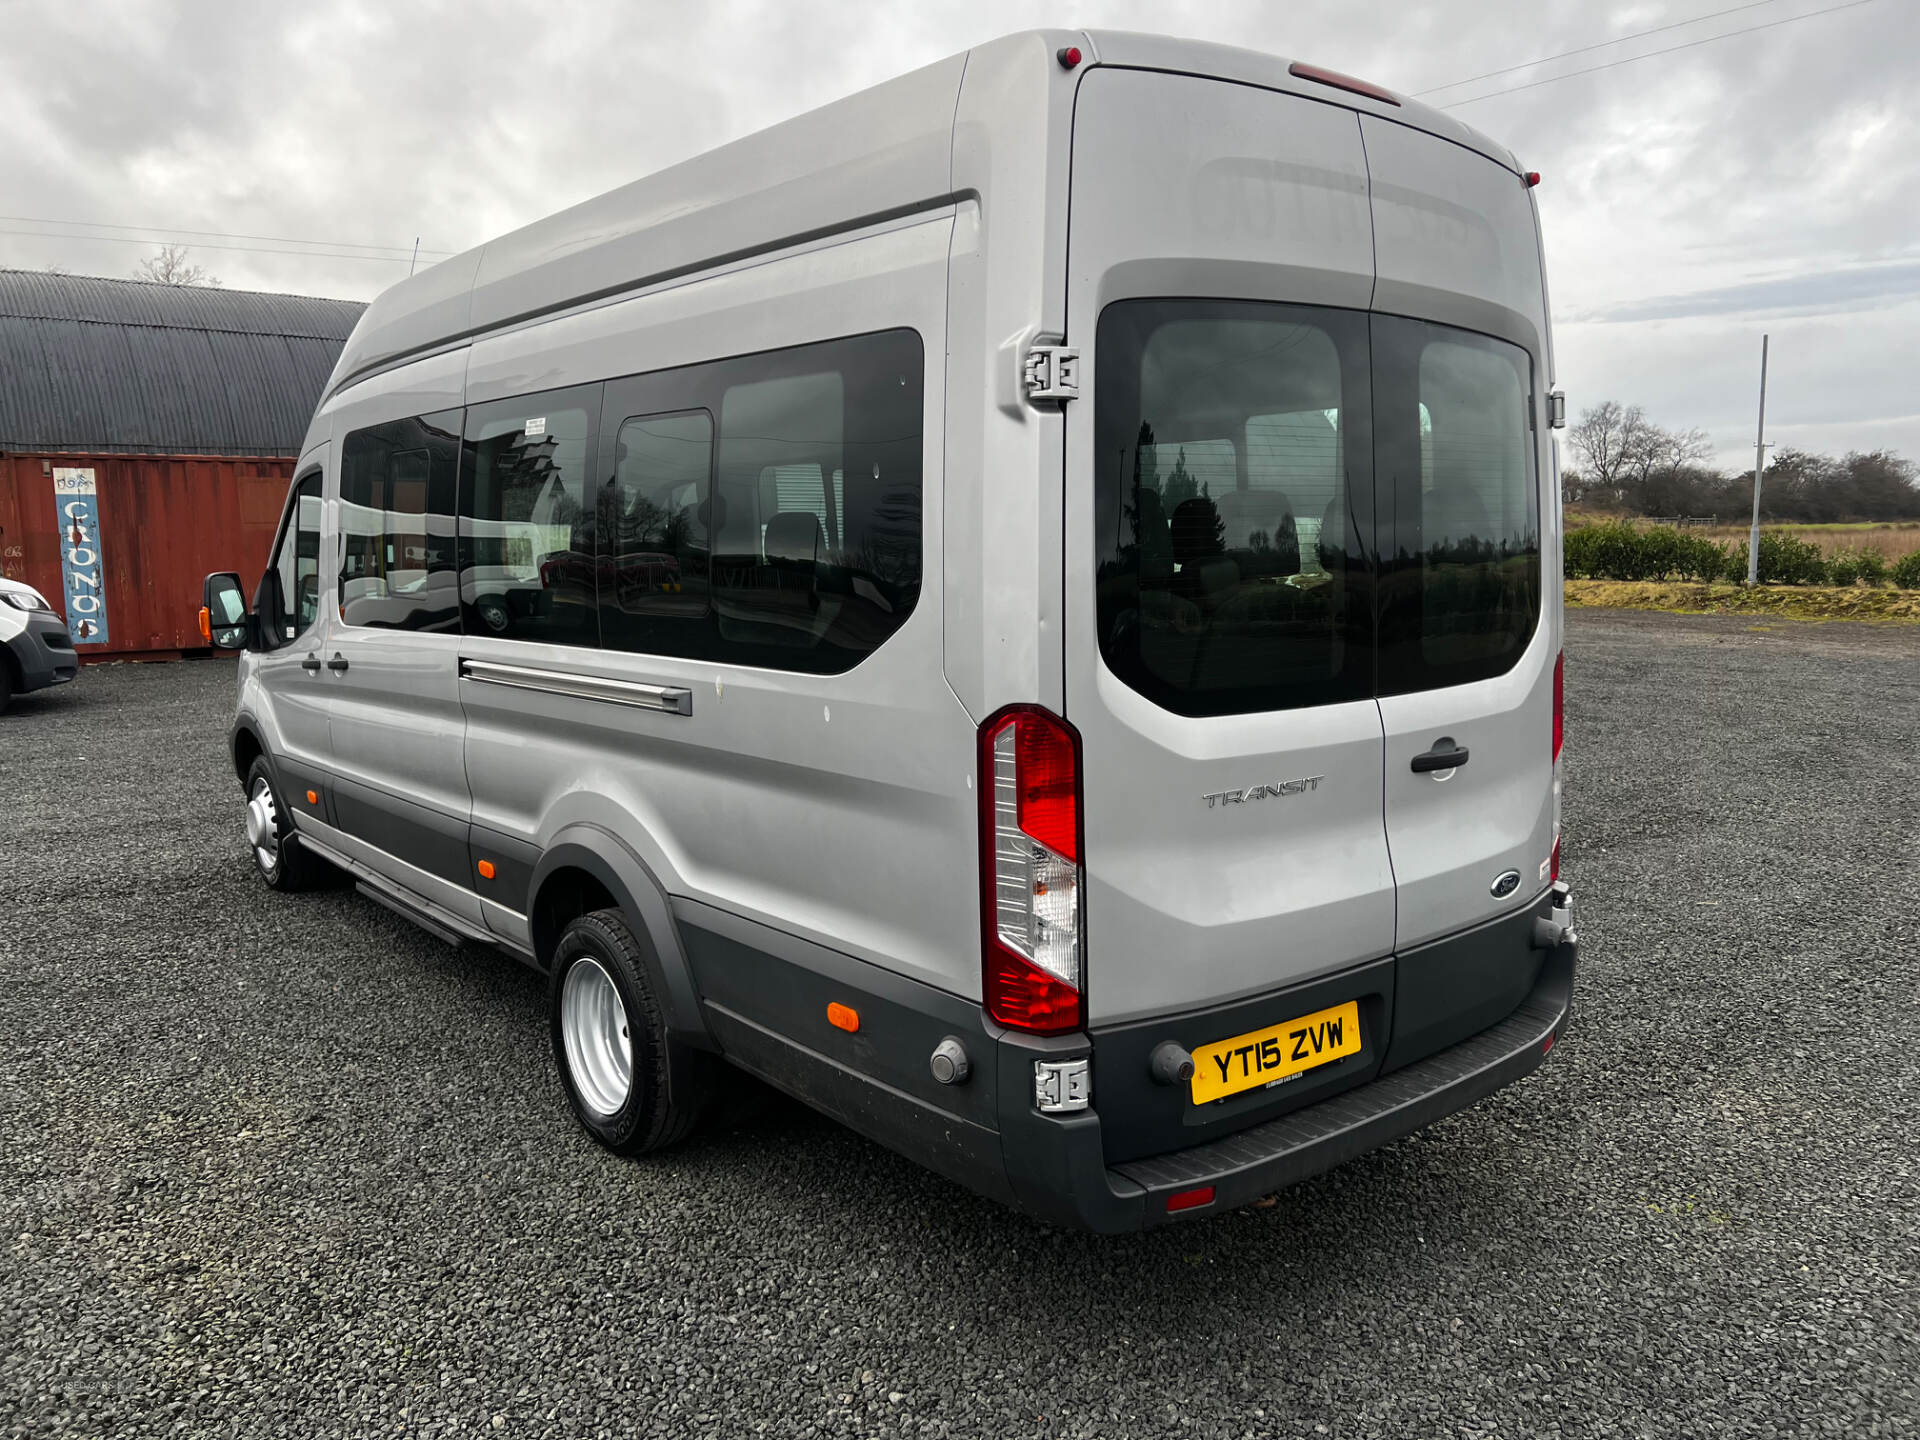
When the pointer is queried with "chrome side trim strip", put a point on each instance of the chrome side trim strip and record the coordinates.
(672, 699)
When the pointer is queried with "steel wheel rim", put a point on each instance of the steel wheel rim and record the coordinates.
(593, 1027)
(263, 827)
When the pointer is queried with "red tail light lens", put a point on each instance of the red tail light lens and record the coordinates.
(1559, 704)
(1030, 870)
(1556, 859)
(1189, 1199)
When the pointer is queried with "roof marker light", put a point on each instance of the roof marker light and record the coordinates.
(1068, 56)
(1532, 178)
(1302, 71)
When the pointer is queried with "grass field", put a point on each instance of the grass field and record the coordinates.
(1782, 602)
(1892, 538)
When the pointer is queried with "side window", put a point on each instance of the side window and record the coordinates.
(817, 495)
(397, 564)
(294, 603)
(654, 518)
(528, 552)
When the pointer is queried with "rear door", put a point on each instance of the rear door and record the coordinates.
(1219, 516)
(1469, 633)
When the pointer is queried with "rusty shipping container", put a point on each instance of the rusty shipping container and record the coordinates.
(162, 523)
(147, 436)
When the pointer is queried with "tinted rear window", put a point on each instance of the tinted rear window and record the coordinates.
(1231, 577)
(1297, 506)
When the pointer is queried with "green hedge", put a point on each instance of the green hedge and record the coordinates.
(1619, 551)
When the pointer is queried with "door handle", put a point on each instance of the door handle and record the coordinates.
(1445, 755)
(311, 664)
(337, 664)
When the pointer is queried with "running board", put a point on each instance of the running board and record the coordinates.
(422, 912)
(407, 911)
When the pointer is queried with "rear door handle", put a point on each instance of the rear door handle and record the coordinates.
(1445, 755)
(337, 663)
(311, 664)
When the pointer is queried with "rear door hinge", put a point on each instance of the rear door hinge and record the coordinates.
(1052, 372)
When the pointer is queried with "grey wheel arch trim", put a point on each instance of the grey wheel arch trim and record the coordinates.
(641, 898)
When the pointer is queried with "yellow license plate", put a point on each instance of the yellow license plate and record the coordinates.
(1266, 1057)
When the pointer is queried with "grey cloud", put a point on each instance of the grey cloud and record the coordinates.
(1817, 292)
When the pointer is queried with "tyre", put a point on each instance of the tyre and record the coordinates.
(610, 1041)
(278, 856)
(6, 683)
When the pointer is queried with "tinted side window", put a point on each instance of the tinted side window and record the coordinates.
(528, 554)
(817, 552)
(1460, 589)
(295, 602)
(654, 595)
(397, 562)
(765, 510)
(1233, 500)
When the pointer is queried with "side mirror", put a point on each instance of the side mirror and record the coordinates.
(223, 611)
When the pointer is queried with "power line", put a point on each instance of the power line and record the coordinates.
(247, 249)
(1583, 49)
(1669, 50)
(215, 234)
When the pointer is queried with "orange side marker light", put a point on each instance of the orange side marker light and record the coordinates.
(486, 869)
(843, 1017)
(206, 624)
(313, 797)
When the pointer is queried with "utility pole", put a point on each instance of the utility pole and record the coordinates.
(416, 260)
(1759, 462)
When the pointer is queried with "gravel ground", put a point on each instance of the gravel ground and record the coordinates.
(281, 1165)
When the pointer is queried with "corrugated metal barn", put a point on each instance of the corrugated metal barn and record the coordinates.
(147, 435)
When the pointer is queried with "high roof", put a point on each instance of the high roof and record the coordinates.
(880, 153)
(101, 366)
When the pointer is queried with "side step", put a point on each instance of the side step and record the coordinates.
(405, 911)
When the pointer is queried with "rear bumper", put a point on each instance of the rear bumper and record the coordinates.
(764, 997)
(1061, 1173)
(43, 653)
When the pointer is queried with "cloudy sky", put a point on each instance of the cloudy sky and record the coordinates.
(1767, 181)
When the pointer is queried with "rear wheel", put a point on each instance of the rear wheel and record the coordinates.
(279, 857)
(610, 1040)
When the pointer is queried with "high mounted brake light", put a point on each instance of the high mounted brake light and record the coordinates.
(1030, 870)
(1301, 71)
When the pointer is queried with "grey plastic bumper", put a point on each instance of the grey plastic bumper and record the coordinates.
(43, 653)
(1058, 1170)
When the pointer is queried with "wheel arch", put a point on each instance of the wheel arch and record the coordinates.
(585, 868)
(246, 747)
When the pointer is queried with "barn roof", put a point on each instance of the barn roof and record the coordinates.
(127, 367)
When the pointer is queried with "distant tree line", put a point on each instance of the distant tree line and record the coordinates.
(1629, 464)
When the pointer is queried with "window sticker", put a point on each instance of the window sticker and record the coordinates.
(537, 425)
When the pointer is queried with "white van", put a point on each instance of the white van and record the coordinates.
(1019, 608)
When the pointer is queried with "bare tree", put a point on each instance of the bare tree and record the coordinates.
(171, 267)
(1609, 437)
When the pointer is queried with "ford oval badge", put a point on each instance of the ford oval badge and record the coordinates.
(1504, 884)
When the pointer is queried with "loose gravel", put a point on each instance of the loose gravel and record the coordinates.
(284, 1166)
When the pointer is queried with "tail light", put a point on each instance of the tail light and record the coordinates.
(1030, 870)
(1559, 742)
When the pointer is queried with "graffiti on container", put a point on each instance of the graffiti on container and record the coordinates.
(12, 561)
(80, 563)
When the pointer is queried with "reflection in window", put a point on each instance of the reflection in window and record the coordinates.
(397, 562)
(527, 545)
(816, 508)
(296, 565)
(1464, 592)
(1224, 578)
(654, 589)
